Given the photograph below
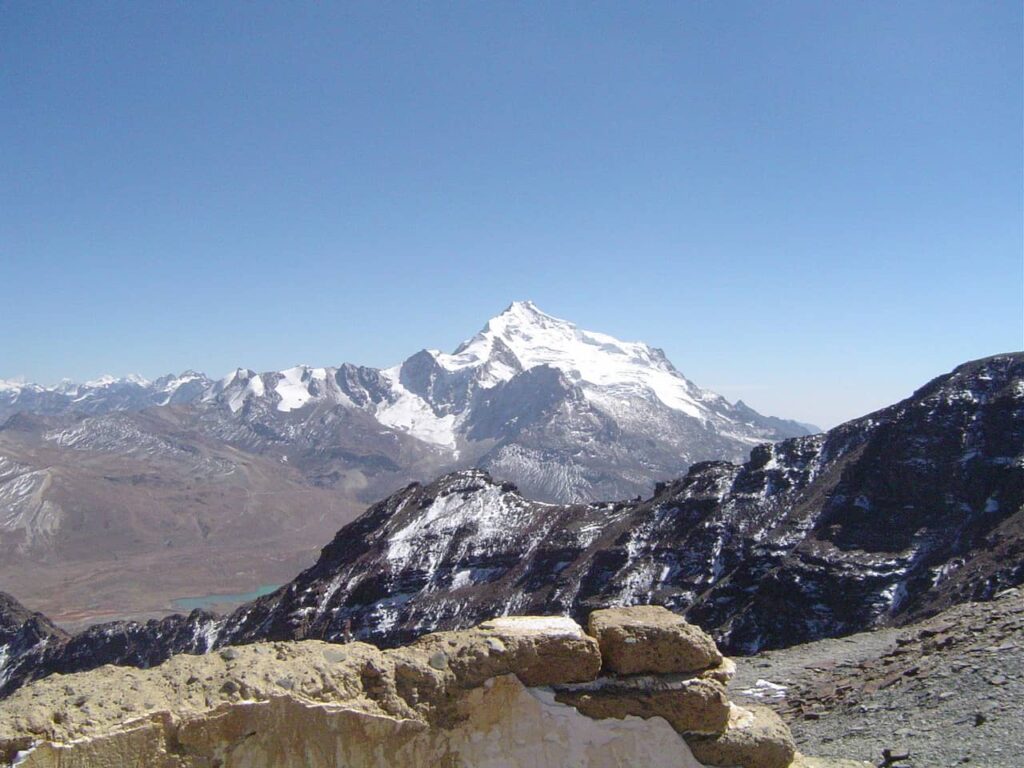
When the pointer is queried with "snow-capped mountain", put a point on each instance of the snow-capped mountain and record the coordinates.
(567, 414)
(139, 482)
(881, 520)
(432, 394)
(103, 395)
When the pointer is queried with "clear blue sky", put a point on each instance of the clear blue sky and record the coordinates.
(812, 206)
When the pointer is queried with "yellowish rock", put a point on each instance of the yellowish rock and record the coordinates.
(691, 705)
(755, 738)
(490, 697)
(651, 639)
(802, 761)
(539, 650)
(504, 725)
(723, 673)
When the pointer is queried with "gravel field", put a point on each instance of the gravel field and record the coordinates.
(948, 691)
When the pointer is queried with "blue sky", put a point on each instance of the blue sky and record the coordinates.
(815, 207)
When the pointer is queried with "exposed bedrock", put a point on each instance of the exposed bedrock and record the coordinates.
(522, 691)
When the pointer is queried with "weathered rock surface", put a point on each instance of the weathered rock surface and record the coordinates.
(480, 698)
(755, 737)
(539, 650)
(651, 639)
(948, 690)
(504, 724)
(803, 761)
(694, 705)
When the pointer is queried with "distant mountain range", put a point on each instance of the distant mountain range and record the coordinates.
(567, 414)
(881, 520)
(119, 495)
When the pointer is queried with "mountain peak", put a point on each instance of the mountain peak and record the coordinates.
(528, 337)
(522, 314)
(525, 308)
(108, 380)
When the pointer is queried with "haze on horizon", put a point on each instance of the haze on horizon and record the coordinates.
(812, 207)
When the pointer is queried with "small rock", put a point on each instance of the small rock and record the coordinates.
(335, 655)
(229, 654)
(756, 738)
(438, 660)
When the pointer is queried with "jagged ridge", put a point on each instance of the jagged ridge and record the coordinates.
(885, 518)
(568, 414)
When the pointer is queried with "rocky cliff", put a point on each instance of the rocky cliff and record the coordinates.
(642, 687)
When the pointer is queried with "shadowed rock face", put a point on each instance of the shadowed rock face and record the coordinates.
(880, 520)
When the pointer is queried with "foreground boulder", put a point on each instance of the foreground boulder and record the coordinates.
(539, 650)
(510, 693)
(755, 737)
(651, 639)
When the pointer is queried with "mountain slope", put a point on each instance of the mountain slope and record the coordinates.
(121, 514)
(119, 496)
(886, 517)
(879, 521)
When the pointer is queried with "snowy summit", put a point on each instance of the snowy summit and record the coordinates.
(567, 413)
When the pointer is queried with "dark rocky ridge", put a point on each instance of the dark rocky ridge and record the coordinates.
(880, 521)
(107, 486)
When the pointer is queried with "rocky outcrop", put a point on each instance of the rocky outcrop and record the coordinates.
(755, 737)
(510, 692)
(651, 639)
(690, 705)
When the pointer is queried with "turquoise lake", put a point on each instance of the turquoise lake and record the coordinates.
(208, 601)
